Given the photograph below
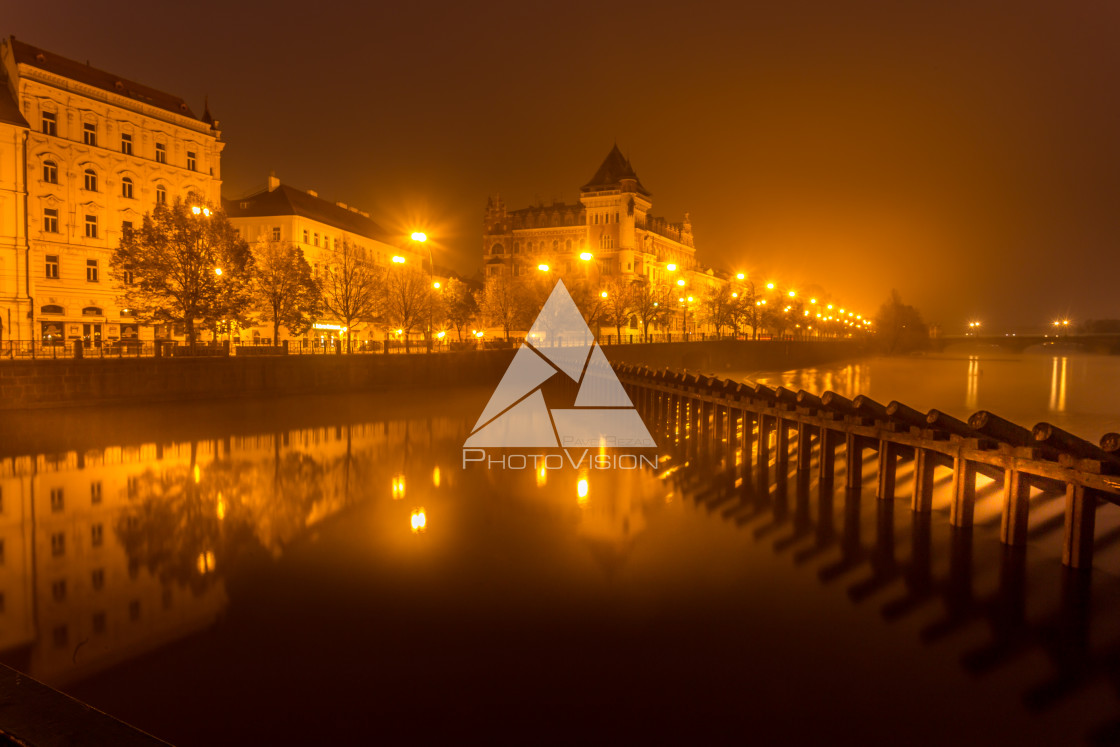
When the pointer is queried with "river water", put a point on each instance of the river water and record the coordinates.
(324, 570)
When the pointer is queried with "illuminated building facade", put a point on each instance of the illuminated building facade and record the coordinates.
(609, 233)
(282, 213)
(83, 154)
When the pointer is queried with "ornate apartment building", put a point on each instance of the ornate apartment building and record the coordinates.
(319, 227)
(83, 154)
(611, 222)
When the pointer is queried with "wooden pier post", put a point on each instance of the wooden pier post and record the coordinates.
(1016, 503)
(781, 458)
(964, 492)
(826, 467)
(888, 468)
(924, 464)
(1081, 514)
(853, 452)
(747, 443)
(762, 465)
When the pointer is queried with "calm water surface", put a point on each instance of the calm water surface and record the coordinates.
(322, 570)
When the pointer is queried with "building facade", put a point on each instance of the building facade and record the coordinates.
(609, 233)
(319, 227)
(85, 154)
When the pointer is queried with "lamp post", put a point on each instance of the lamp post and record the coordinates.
(422, 238)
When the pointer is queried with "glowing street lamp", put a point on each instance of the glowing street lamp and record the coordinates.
(218, 271)
(603, 294)
(542, 268)
(419, 236)
(741, 276)
(436, 285)
(671, 267)
(793, 294)
(681, 282)
(397, 259)
(769, 286)
(585, 256)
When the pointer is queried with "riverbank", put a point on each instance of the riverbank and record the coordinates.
(41, 384)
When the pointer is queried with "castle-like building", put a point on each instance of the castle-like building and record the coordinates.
(610, 232)
(84, 154)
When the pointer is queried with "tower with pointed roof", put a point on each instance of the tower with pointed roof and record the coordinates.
(612, 223)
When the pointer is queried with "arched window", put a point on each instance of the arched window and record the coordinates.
(161, 195)
(50, 172)
(126, 187)
(51, 309)
(496, 249)
(92, 311)
(91, 180)
(555, 245)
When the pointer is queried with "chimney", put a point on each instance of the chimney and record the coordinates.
(273, 182)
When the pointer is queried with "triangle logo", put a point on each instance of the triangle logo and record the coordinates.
(559, 344)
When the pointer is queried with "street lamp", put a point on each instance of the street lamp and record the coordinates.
(422, 238)
(585, 256)
(398, 260)
(542, 268)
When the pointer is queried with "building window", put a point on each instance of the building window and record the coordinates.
(50, 220)
(52, 266)
(58, 590)
(98, 623)
(50, 123)
(57, 499)
(96, 535)
(161, 153)
(95, 493)
(91, 230)
(276, 233)
(126, 143)
(58, 544)
(316, 239)
(89, 133)
(126, 187)
(91, 270)
(161, 195)
(97, 578)
(50, 172)
(126, 226)
(190, 160)
(305, 236)
(91, 180)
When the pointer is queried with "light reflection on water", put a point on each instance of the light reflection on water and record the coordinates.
(1075, 392)
(307, 556)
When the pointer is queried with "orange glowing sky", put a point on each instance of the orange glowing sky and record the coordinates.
(965, 153)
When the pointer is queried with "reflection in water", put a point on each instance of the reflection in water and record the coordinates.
(1058, 384)
(419, 520)
(972, 383)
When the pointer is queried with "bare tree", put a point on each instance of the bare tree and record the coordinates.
(652, 304)
(618, 301)
(284, 288)
(406, 299)
(503, 302)
(459, 305)
(352, 288)
(716, 310)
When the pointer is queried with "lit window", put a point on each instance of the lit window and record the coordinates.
(126, 188)
(91, 180)
(52, 266)
(91, 228)
(50, 220)
(190, 160)
(50, 123)
(91, 270)
(126, 143)
(161, 153)
(89, 133)
(161, 195)
(50, 172)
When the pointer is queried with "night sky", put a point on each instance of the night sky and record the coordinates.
(965, 153)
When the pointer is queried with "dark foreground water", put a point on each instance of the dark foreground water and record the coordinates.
(322, 570)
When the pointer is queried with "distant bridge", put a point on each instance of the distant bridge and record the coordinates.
(1104, 343)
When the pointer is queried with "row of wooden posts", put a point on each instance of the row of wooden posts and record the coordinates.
(758, 421)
